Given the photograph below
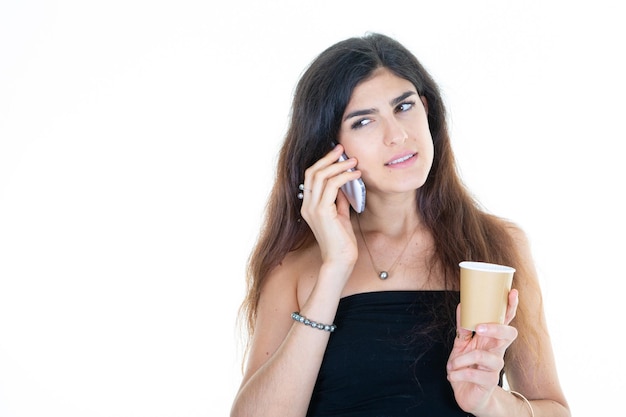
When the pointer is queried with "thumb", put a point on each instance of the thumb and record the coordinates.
(343, 204)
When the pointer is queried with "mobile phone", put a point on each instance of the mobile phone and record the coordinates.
(354, 190)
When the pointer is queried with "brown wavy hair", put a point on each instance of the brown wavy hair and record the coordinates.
(462, 230)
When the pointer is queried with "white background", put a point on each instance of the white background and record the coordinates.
(137, 148)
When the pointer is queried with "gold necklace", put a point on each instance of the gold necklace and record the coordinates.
(383, 274)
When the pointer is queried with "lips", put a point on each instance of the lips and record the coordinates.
(400, 159)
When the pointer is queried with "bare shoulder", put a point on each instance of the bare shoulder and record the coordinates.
(525, 278)
(521, 242)
(278, 294)
(294, 273)
(516, 232)
(304, 265)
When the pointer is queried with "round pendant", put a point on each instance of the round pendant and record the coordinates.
(383, 275)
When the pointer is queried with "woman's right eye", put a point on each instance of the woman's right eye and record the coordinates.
(361, 123)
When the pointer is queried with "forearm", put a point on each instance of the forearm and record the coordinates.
(283, 385)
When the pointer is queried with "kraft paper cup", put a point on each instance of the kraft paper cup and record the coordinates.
(484, 293)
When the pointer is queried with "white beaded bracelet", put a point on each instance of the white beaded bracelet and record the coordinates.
(327, 327)
(517, 394)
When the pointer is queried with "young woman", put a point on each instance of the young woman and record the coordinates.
(356, 314)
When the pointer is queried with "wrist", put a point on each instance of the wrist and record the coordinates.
(509, 404)
(496, 405)
(334, 274)
(527, 404)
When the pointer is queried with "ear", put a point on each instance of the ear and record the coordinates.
(425, 103)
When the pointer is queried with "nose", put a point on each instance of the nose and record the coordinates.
(394, 132)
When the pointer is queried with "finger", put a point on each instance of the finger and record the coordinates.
(461, 333)
(334, 183)
(503, 333)
(343, 205)
(480, 377)
(331, 159)
(478, 359)
(317, 176)
(511, 309)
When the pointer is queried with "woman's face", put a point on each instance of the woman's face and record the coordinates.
(385, 127)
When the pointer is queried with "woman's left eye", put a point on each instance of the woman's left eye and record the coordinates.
(405, 106)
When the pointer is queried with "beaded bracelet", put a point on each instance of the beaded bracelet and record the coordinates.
(327, 327)
(517, 394)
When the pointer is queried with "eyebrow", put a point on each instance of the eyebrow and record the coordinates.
(393, 103)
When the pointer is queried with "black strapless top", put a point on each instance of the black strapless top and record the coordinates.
(384, 360)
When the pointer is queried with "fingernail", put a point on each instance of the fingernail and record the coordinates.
(481, 329)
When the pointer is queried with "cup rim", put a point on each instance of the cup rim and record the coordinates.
(485, 266)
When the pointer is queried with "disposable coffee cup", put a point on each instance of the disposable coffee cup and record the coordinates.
(484, 293)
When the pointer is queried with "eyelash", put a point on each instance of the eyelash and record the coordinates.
(402, 107)
(406, 103)
(359, 123)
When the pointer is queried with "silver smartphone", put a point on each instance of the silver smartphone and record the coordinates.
(354, 190)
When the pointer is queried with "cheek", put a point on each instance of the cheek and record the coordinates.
(348, 140)
(366, 160)
(426, 147)
(429, 159)
(422, 135)
(356, 143)
(429, 149)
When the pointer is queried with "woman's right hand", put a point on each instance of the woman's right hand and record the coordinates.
(327, 210)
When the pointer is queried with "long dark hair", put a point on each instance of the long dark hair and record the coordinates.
(461, 229)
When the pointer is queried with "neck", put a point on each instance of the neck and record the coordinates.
(391, 218)
(386, 231)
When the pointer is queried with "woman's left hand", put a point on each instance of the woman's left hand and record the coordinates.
(476, 360)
